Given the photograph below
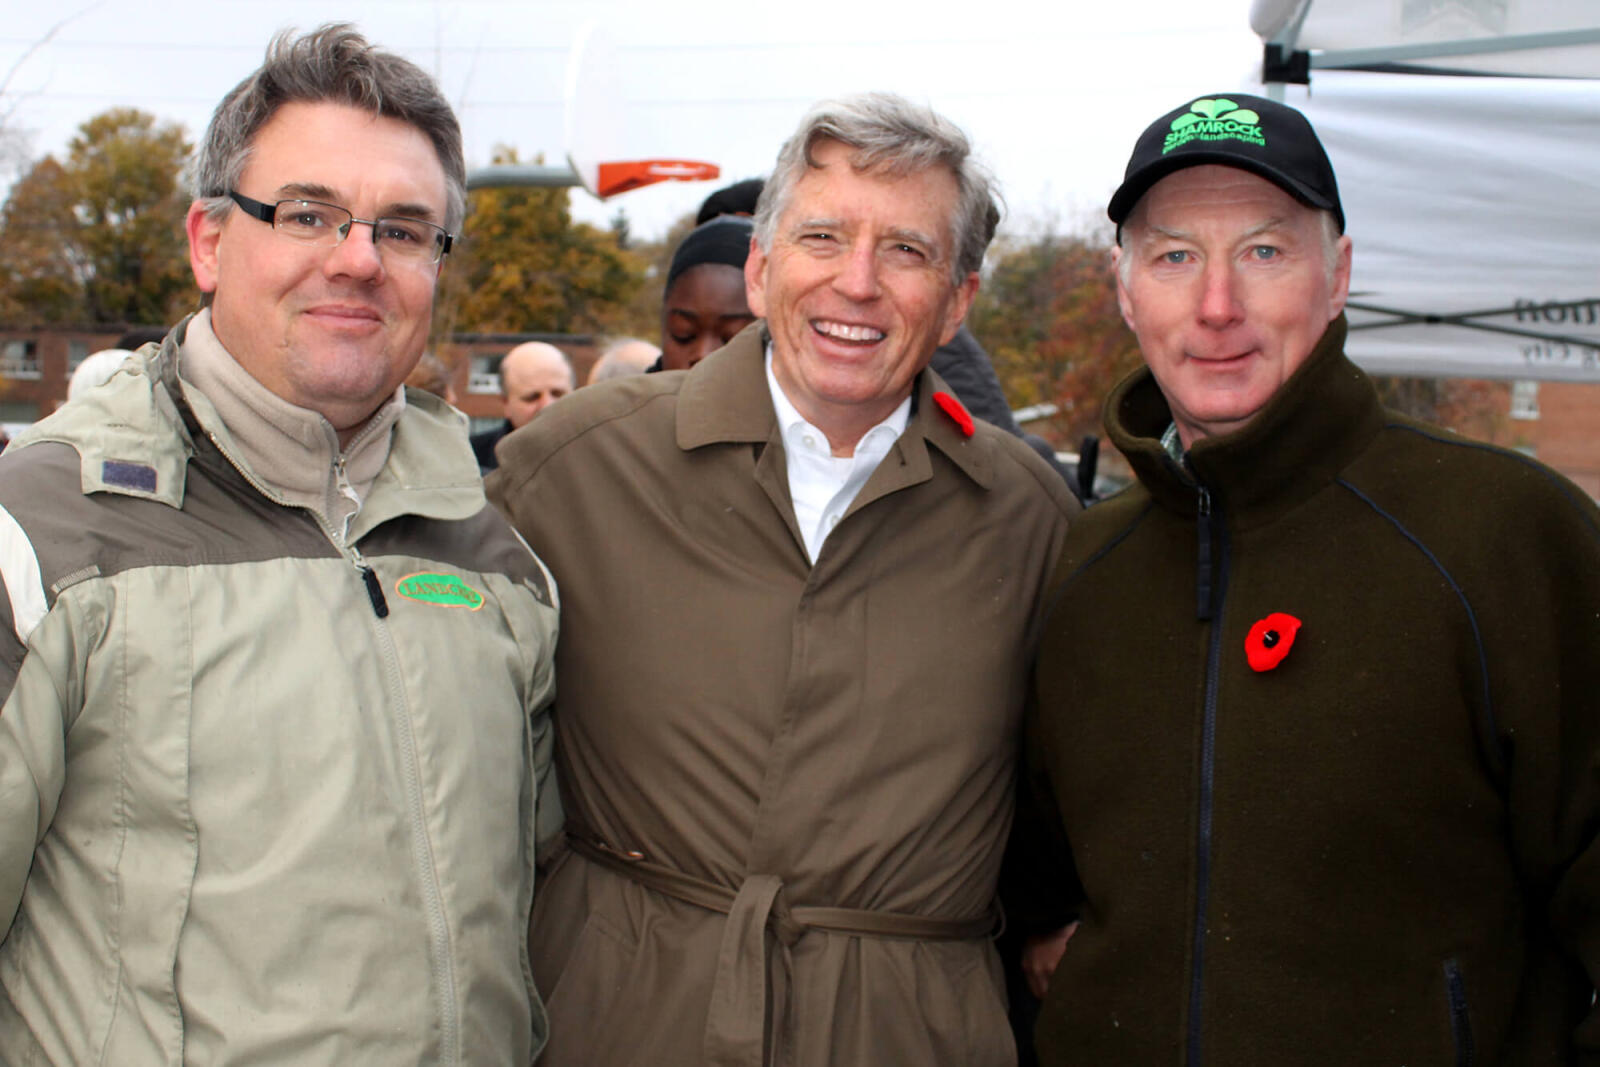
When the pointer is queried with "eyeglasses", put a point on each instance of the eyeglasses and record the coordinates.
(316, 223)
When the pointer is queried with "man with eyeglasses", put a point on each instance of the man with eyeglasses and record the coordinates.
(274, 750)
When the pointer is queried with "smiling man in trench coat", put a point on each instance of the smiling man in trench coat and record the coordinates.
(800, 588)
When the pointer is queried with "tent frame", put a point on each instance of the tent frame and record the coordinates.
(1282, 64)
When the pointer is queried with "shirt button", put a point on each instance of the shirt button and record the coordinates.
(809, 441)
(833, 520)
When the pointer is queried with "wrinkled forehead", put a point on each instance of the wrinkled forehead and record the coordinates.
(1199, 195)
(847, 181)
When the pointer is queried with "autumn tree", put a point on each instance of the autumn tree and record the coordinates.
(642, 317)
(1047, 313)
(99, 238)
(523, 265)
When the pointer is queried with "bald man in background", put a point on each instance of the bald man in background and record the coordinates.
(628, 356)
(533, 376)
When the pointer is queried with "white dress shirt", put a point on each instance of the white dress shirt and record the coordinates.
(821, 485)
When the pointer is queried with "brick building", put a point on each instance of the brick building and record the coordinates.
(1559, 423)
(35, 365)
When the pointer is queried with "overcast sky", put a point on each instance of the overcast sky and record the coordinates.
(1052, 94)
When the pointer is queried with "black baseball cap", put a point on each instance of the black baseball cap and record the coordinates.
(1236, 130)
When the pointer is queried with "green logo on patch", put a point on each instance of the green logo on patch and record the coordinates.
(1215, 120)
(445, 590)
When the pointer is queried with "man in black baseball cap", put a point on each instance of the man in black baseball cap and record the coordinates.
(1316, 707)
(1231, 258)
(1235, 130)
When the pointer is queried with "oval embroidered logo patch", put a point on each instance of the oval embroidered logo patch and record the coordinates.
(445, 590)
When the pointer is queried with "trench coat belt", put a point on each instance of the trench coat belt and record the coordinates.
(736, 1025)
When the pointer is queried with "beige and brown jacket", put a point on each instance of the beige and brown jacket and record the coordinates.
(267, 794)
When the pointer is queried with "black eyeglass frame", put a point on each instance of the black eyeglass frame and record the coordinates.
(268, 213)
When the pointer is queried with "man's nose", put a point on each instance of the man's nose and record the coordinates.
(858, 274)
(356, 256)
(1219, 300)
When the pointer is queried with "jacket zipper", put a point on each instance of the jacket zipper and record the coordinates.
(422, 849)
(1460, 1021)
(1211, 587)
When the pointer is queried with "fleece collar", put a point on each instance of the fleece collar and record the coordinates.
(1322, 417)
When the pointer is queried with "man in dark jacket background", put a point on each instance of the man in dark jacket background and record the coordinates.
(1317, 700)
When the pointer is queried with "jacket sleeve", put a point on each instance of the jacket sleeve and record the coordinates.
(548, 815)
(1540, 623)
(1039, 886)
(34, 714)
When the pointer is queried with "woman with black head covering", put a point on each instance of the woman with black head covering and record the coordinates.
(704, 304)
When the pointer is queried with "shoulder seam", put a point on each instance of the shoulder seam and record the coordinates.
(1491, 730)
(1553, 477)
(1047, 479)
(1100, 553)
(525, 474)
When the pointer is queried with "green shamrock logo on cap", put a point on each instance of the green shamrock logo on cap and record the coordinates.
(1215, 120)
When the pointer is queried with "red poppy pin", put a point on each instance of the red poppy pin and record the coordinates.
(958, 414)
(1270, 639)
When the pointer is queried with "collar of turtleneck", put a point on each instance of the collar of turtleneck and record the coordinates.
(292, 452)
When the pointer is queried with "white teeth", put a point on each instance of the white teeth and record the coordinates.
(845, 332)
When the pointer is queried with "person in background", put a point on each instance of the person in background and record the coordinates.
(432, 376)
(704, 304)
(787, 813)
(1318, 700)
(533, 375)
(738, 199)
(96, 369)
(274, 677)
(625, 356)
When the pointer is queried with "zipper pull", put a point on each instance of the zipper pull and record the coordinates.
(1203, 570)
(380, 606)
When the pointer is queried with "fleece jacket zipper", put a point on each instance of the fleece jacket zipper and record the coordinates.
(1211, 580)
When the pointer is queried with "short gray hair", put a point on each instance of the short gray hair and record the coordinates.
(890, 135)
(332, 64)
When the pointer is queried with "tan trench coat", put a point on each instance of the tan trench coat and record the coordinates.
(774, 739)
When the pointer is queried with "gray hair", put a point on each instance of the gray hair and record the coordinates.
(333, 64)
(890, 135)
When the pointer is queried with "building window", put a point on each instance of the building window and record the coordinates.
(1525, 400)
(19, 359)
(483, 376)
(77, 352)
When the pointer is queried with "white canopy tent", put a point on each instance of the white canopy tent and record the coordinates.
(1470, 175)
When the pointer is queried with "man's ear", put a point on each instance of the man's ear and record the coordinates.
(959, 307)
(1123, 302)
(204, 235)
(755, 280)
(1341, 277)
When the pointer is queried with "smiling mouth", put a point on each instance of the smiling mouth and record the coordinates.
(844, 331)
(346, 316)
(1223, 361)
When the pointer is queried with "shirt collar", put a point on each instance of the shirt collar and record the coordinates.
(1173, 443)
(790, 419)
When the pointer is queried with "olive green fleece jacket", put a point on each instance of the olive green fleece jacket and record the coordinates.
(1382, 849)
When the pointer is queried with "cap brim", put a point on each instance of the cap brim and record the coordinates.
(1139, 183)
